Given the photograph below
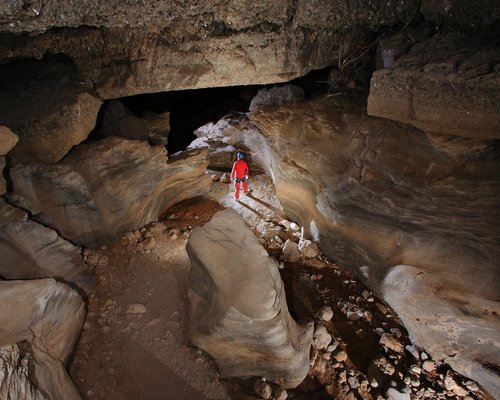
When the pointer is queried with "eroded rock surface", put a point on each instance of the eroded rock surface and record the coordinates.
(49, 316)
(108, 187)
(376, 194)
(46, 105)
(126, 48)
(238, 310)
(7, 142)
(448, 84)
(30, 250)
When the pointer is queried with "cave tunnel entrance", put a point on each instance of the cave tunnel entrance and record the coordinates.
(190, 109)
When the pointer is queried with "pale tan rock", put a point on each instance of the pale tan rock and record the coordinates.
(238, 309)
(105, 188)
(30, 250)
(8, 140)
(391, 342)
(49, 315)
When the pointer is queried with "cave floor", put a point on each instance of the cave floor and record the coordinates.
(134, 344)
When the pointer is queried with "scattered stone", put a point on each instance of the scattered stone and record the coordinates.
(136, 309)
(325, 313)
(294, 227)
(365, 294)
(429, 366)
(340, 356)
(413, 351)
(290, 251)
(391, 342)
(381, 308)
(416, 369)
(262, 389)
(354, 315)
(452, 386)
(278, 239)
(322, 338)
(394, 394)
(286, 224)
(308, 248)
(225, 178)
(148, 244)
(332, 347)
(353, 382)
(8, 140)
(280, 393)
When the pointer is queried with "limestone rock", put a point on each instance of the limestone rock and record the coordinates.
(322, 338)
(444, 85)
(290, 251)
(119, 121)
(394, 193)
(3, 185)
(391, 342)
(47, 107)
(130, 48)
(7, 140)
(394, 394)
(325, 313)
(15, 380)
(49, 315)
(308, 248)
(262, 389)
(277, 96)
(105, 188)
(30, 250)
(238, 310)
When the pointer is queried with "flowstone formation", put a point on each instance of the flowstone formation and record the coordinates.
(238, 309)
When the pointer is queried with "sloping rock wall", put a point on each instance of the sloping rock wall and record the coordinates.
(108, 187)
(30, 250)
(376, 194)
(49, 316)
(238, 310)
(152, 47)
(448, 84)
(48, 107)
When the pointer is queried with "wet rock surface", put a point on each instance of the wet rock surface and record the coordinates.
(238, 310)
(108, 187)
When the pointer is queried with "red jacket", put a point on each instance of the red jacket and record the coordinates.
(240, 169)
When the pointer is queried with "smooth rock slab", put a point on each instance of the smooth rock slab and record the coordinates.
(49, 316)
(238, 310)
(105, 188)
(30, 250)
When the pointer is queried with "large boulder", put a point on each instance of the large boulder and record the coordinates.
(49, 317)
(448, 84)
(46, 105)
(431, 320)
(108, 187)
(375, 194)
(238, 309)
(30, 250)
(126, 48)
(7, 142)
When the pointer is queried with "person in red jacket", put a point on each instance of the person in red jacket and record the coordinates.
(240, 174)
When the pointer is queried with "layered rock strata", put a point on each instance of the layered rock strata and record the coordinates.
(7, 142)
(448, 84)
(108, 187)
(238, 310)
(30, 250)
(48, 107)
(376, 194)
(48, 316)
(152, 47)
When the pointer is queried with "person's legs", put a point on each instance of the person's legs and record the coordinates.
(236, 189)
(245, 188)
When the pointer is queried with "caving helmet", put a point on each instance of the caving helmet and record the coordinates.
(240, 155)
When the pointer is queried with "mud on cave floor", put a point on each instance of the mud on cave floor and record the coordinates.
(135, 346)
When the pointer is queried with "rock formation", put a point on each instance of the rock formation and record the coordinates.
(7, 141)
(108, 187)
(46, 105)
(48, 316)
(238, 310)
(126, 48)
(376, 194)
(119, 121)
(30, 250)
(448, 84)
